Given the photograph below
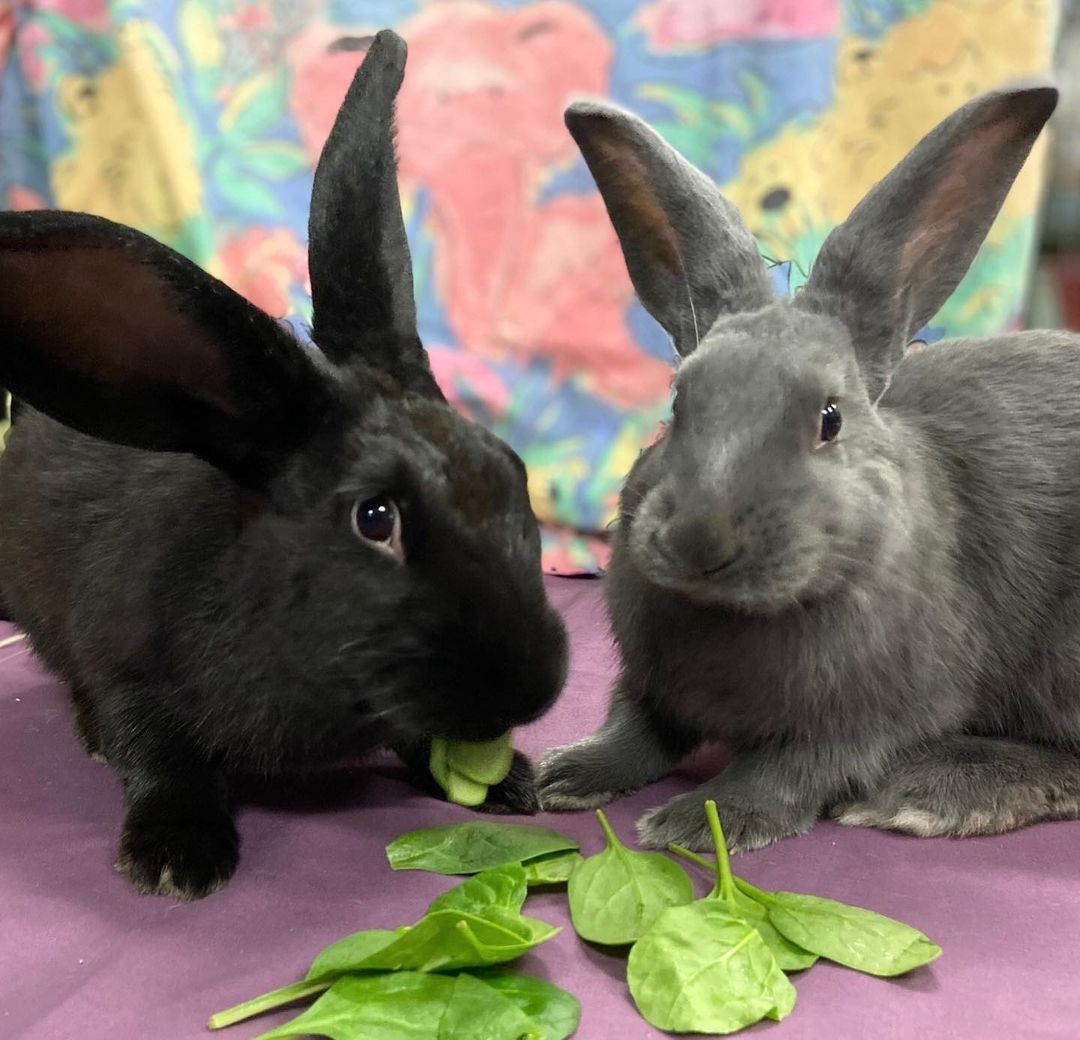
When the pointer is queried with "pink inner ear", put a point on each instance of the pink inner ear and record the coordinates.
(101, 313)
(973, 171)
(617, 162)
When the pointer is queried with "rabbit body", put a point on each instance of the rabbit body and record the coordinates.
(883, 622)
(245, 556)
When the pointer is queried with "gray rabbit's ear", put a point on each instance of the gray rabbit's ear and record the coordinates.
(891, 265)
(358, 254)
(688, 252)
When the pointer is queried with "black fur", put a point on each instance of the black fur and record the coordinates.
(209, 602)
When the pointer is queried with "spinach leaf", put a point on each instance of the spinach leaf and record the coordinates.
(327, 966)
(486, 763)
(479, 1012)
(450, 939)
(849, 935)
(483, 928)
(411, 1006)
(341, 956)
(467, 848)
(617, 894)
(702, 968)
(458, 788)
(557, 1011)
(554, 869)
(267, 1002)
(465, 770)
(789, 957)
(503, 886)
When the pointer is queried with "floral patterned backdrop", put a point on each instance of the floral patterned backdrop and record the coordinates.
(198, 121)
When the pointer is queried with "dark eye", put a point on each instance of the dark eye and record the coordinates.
(830, 422)
(376, 520)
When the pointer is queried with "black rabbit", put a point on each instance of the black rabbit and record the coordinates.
(244, 555)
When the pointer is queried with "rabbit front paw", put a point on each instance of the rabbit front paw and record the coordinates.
(746, 826)
(576, 777)
(183, 856)
(517, 794)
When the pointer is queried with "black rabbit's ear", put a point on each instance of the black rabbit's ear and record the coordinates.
(120, 337)
(358, 255)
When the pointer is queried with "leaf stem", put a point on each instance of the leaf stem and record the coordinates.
(765, 898)
(693, 857)
(275, 998)
(725, 883)
(609, 834)
(757, 894)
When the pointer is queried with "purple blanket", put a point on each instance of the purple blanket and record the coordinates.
(82, 957)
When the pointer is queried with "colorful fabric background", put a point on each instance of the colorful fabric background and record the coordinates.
(198, 121)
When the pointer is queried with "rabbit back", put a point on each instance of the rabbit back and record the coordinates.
(1000, 419)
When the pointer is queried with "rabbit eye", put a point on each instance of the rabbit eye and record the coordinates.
(377, 521)
(830, 422)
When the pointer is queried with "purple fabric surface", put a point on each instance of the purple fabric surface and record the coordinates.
(82, 956)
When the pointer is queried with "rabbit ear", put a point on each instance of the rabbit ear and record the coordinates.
(119, 337)
(358, 255)
(891, 265)
(688, 252)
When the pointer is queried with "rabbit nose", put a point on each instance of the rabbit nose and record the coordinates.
(702, 546)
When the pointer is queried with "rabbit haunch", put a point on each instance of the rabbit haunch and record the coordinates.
(857, 567)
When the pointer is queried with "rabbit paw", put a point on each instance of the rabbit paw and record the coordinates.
(517, 794)
(574, 777)
(183, 857)
(888, 815)
(966, 785)
(746, 827)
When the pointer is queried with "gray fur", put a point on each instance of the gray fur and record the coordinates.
(688, 253)
(887, 624)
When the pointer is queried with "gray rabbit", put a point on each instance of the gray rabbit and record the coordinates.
(859, 569)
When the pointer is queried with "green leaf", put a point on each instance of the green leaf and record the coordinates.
(277, 160)
(411, 1006)
(503, 886)
(701, 969)
(475, 924)
(486, 763)
(466, 769)
(557, 1011)
(459, 789)
(249, 195)
(256, 104)
(757, 92)
(788, 956)
(449, 939)
(343, 955)
(467, 848)
(477, 1011)
(850, 935)
(687, 105)
(325, 969)
(267, 1002)
(615, 895)
(551, 870)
